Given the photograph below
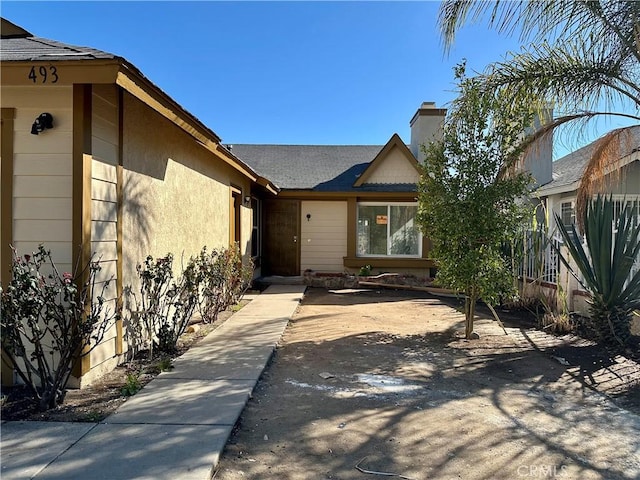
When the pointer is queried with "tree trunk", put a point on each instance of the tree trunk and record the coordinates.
(613, 325)
(469, 313)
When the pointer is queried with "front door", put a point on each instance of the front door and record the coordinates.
(281, 248)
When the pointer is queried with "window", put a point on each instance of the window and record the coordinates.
(633, 205)
(388, 230)
(568, 213)
(568, 209)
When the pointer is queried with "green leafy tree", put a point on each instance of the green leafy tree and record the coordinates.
(584, 58)
(470, 196)
(612, 247)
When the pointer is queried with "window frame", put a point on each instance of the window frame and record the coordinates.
(388, 205)
(571, 202)
(621, 199)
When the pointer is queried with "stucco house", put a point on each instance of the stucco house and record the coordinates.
(341, 207)
(558, 195)
(96, 159)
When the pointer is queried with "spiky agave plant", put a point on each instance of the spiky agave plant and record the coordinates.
(613, 243)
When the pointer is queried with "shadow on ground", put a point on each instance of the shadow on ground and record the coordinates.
(385, 382)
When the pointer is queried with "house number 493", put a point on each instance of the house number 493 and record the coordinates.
(43, 74)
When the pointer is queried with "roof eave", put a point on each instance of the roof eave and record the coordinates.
(548, 191)
(119, 71)
(132, 80)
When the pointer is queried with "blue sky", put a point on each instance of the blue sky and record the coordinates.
(282, 72)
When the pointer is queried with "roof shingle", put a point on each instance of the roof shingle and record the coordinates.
(328, 168)
(570, 168)
(31, 49)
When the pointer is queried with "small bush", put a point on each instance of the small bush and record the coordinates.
(557, 323)
(165, 365)
(162, 365)
(222, 279)
(49, 320)
(365, 271)
(164, 306)
(132, 385)
(210, 282)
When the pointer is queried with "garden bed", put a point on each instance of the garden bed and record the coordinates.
(103, 397)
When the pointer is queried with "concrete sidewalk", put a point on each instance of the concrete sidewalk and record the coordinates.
(177, 426)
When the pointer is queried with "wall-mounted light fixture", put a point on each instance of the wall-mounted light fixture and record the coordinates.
(44, 120)
(247, 200)
(308, 217)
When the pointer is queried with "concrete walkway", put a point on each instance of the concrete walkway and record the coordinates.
(176, 427)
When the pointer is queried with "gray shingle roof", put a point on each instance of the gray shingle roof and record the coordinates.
(570, 168)
(323, 168)
(30, 48)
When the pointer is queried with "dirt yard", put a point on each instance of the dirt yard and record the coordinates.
(372, 385)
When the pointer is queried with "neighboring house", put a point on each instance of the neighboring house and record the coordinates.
(124, 172)
(559, 198)
(341, 207)
(559, 194)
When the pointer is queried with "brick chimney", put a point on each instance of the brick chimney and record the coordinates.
(426, 125)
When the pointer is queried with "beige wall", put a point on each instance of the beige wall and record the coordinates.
(629, 184)
(104, 212)
(396, 168)
(42, 171)
(42, 168)
(324, 236)
(176, 193)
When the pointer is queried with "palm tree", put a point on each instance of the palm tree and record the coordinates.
(613, 245)
(584, 59)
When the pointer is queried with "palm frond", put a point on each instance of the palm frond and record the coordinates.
(614, 24)
(603, 167)
(574, 76)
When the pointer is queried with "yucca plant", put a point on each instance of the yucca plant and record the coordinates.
(613, 244)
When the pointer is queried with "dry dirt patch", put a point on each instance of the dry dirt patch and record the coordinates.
(385, 382)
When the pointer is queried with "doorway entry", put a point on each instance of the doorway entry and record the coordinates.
(281, 245)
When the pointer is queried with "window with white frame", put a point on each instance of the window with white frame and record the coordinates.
(568, 209)
(568, 213)
(632, 203)
(388, 229)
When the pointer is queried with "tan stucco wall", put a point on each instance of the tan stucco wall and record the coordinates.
(395, 168)
(42, 171)
(324, 236)
(176, 193)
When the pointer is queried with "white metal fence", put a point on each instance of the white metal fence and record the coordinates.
(540, 261)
